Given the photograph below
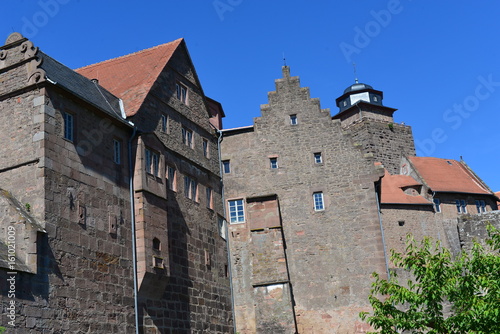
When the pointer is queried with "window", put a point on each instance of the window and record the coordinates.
(172, 184)
(437, 204)
(293, 119)
(221, 222)
(319, 204)
(209, 197)
(206, 148)
(156, 244)
(152, 162)
(236, 213)
(187, 137)
(461, 206)
(190, 188)
(181, 92)
(164, 123)
(226, 166)
(117, 151)
(274, 163)
(481, 206)
(68, 126)
(318, 158)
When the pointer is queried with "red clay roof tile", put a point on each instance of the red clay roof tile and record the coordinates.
(392, 191)
(446, 175)
(131, 77)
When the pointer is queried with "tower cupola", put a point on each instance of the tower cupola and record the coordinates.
(359, 92)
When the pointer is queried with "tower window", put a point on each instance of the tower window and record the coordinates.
(273, 162)
(156, 244)
(293, 119)
(318, 158)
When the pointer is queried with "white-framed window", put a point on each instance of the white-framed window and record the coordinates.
(152, 162)
(171, 178)
(461, 206)
(318, 158)
(181, 92)
(206, 148)
(191, 188)
(319, 204)
(437, 204)
(209, 197)
(68, 120)
(481, 206)
(117, 151)
(273, 163)
(226, 166)
(187, 137)
(293, 120)
(236, 211)
(164, 123)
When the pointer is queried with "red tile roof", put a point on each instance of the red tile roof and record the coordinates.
(131, 77)
(392, 191)
(446, 175)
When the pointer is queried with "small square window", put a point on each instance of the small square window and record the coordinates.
(226, 166)
(319, 204)
(206, 152)
(437, 205)
(181, 92)
(209, 197)
(293, 120)
(236, 212)
(68, 126)
(318, 158)
(481, 206)
(273, 162)
(187, 137)
(171, 178)
(117, 151)
(461, 206)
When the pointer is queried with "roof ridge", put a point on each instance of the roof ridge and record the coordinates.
(179, 40)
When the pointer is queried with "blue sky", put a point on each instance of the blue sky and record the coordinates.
(436, 62)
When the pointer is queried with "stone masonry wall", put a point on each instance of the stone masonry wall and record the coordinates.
(330, 253)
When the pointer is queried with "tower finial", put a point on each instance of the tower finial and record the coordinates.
(355, 74)
(284, 59)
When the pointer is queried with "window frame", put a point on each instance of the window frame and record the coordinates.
(206, 148)
(187, 137)
(190, 188)
(209, 196)
(152, 162)
(273, 163)
(171, 178)
(226, 166)
(236, 210)
(293, 119)
(315, 156)
(164, 123)
(68, 126)
(461, 205)
(480, 206)
(437, 204)
(181, 92)
(318, 201)
(117, 151)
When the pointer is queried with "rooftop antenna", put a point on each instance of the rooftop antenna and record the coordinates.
(284, 59)
(355, 74)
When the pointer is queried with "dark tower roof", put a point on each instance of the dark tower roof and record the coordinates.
(357, 86)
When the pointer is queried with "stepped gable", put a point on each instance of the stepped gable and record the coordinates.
(447, 175)
(131, 77)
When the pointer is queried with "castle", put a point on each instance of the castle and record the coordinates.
(128, 207)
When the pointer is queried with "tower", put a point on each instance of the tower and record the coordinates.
(372, 125)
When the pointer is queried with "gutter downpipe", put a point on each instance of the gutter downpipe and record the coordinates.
(132, 220)
(382, 233)
(229, 267)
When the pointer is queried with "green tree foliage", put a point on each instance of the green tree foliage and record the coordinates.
(446, 295)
